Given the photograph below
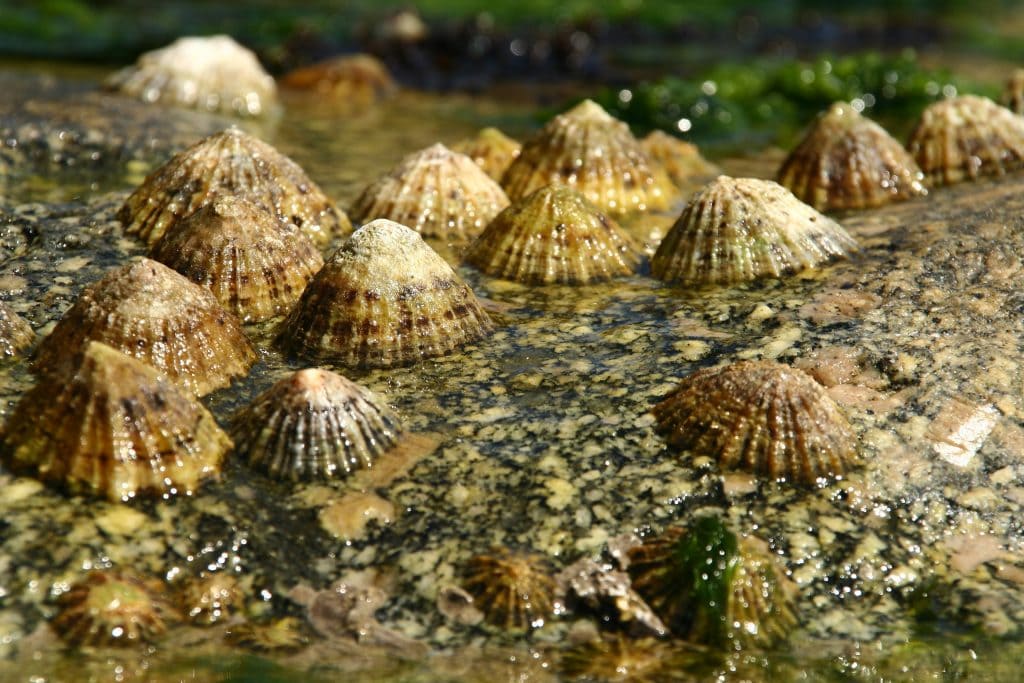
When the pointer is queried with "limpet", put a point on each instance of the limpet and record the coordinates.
(16, 334)
(491, 150)
(681, 160)
(514, 590)
(359, 79)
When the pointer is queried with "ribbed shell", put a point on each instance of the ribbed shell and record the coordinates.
(437, 192)
(315, 424)
(113, 608)
(211, 73)
(491, 150)
(846, 161)
(681, 160)
(359, 78)
(254, 263)
(514, 590)
(210, 599)
(553, 236)
(147, 310)
(739, 229)
(762, 417)
(588, 149)
(230, 163)
(114, 428)
(1013, 93)
(620, 659)
(384, 298)
(966, 137)
(16, 334)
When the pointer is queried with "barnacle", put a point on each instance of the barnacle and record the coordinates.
(491, 150)
(681, 160)
(514, 590)
(359, 79)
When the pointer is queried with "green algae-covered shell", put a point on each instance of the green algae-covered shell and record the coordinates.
(315, 424)
(255, 263)
(16, 334)
(147, 310)
(553, 236)
(383, 299)
(436, 192)
(514, 590)
(847, 161)
(709, 588)
(966, 137)
(113, 608)
(356, 79)
(593, 152)
(230, 163)
(740, 229)
(115, 428)
(491, 150)
(681, 160)
(762, 417)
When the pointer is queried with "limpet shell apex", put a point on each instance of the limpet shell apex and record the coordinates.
(762, 417)
(740, 229)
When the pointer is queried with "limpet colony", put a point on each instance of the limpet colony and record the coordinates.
(739, 229)
(491, 150)
(315, 424)
(762, 417)
(384, 298)
(212, 73)
(514, 590)
(230, 163)
(553, 236)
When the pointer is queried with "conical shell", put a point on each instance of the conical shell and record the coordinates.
(588, 149)
(739, 229)
(491, 150)
(762, 417)
(847, 161)
(681, 160)
(315, 424)
(1013, 93)
(384, 298)
(966, 137)
(211, 73)
(254, 263)
(147, 310)
(16, 334)
(114, 428)
(437, 192)
(514, 590)
(230, 163)
(359, 78)
(553, 236)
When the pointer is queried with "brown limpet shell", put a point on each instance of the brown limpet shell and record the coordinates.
(383, 299)
(553, 236)
(966, 137)
(315, 424)
(359, 78)
(1013, 92)
(113, 427)
(210, 599)
(149, 311)
(514, 590)
(437, 192)
(593, 152)
(212, 73)
(231, 162)
(279, 636)
(254, 263)
(762, 417)
(113, 608)
(740, 229)
(491, 150)
(16, 334)
(681, 160)
(847, 161)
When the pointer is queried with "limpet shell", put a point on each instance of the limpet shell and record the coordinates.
(711, 588)
(965, 137)
(359, 78)
(113, 608)
(681, 160)
(847, 161)
(553, 236)
(212, 73)
(115, 428)
(762, 417)
(437, 192)
(1013, 93)
(211, 598)
(491, 150)
(16, 334)
(514, 590)
(230, 163)
(147, 310)
(384, 298)
(315, 424)
(254, 263)
(740, 229)
(284, 635)
(588, 149)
